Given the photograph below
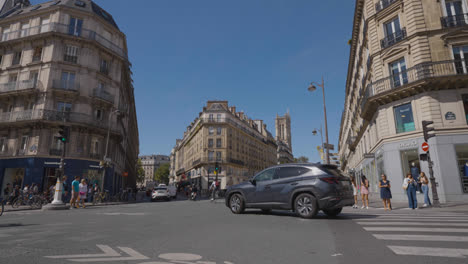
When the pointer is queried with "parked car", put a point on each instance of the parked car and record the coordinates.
(303, 188)
(160, 193)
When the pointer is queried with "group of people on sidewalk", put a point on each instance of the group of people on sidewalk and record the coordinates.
(80, 192)
(410, 185)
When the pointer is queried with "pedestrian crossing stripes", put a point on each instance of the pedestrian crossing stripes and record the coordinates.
(415, 231)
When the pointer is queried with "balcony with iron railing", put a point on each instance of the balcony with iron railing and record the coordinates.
(392, 39)
(382, 4)
(55, 116)
(65, 29)
(19, 86)
(454, 21)
(421, 77)
(65, 85)
(104, 95)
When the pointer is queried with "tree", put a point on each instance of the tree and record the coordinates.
(140, 175)
(161, 175)
(301, 159)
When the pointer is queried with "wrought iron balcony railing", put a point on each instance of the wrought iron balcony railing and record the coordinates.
(56, 116)
(394, 38)
(454, 21)
(64, 29)
(414, 74)
(66, 85)
(19, 85)
(103, 94)
(382, 4)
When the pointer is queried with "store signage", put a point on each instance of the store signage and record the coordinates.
(125, 174)
(425, 146)
(450, 116)
(412, 144)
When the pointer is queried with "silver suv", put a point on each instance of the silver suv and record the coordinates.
(303, 188)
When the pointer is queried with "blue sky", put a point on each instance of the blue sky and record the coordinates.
(259, 55)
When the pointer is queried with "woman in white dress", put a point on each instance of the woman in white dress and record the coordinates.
(83, 192)
(355, 192)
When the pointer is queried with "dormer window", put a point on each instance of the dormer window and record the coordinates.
(80, 3)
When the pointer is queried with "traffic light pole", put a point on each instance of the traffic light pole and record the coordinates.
(435, 196)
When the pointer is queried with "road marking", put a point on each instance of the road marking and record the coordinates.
(180, 256)
(410, 219)
(133, 255)
(422, 238)
(121, 214)
(428, 251)
(108, 252)
(412, 224)
(417, 229)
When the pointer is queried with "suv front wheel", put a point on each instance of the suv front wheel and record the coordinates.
(305, 205)
(236, 203)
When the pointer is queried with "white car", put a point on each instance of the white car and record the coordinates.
(160, 193)
(172, 189)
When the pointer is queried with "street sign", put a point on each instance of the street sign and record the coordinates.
(328, 146)
(369, 155)
(425, 146)
(51, 163)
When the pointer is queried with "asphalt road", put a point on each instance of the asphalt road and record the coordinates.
(203, 232)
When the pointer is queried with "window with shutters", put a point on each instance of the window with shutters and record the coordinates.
(71, 54)
(75, 26)
(37, 54)
(45, 27)
(16, 58)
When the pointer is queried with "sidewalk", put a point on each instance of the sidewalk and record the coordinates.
(376, 203)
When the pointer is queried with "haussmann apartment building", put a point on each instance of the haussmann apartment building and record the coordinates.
(408, 63)
(220, 135)
(64, 63)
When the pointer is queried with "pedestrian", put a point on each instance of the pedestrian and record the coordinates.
(15, 194)
(411, 186)
(213, 190)
(355, 192)
(83, 190)
(365, 192)
(65, 189)
(34, 189)
(51, 192)
(425, 189)
(26, 189)
(6, 191)
(90, 193)
(75, 192)
(385, 193)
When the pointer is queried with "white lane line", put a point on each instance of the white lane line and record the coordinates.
(411, 224)
(412, 215)
(422, 238)
(428, 251)
(108, 252)
(417, 229)
(435, 219)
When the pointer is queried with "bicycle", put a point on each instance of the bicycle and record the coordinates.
(101, 197)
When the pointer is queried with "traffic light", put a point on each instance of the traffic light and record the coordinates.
(64, 133)
(427, 129)
(216, 168)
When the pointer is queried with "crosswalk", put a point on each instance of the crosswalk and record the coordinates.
(432, 235)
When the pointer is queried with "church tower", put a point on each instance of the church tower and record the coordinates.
(283, 138)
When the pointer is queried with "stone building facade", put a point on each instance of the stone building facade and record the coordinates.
(65, 63)
(150, 163)
(408, 63)
(221, 135)
(283, 138)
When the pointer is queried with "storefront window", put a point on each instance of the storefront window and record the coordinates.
(462, 161)
(13, 176)
(404, 118)
(410, 162)
(380, 165)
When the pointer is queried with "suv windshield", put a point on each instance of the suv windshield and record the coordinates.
(160, 188)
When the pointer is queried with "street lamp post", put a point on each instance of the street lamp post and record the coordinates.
(311, 89)
(107, 146)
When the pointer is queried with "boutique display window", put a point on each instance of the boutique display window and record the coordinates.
(13, 176)
(410, 162)
(462, 162)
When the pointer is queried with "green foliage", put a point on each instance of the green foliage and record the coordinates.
(161, 175)
(301, 159)
(140, 175)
